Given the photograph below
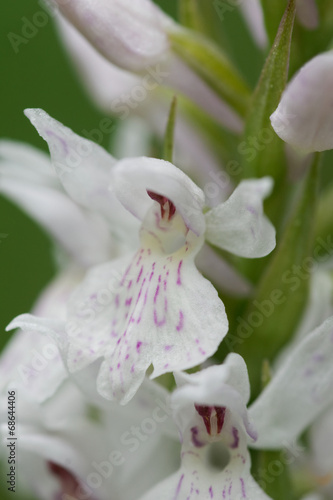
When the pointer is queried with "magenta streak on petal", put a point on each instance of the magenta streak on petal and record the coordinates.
(140, 273)
(236, 438)
(125, 275)
(181, 321)
(142, 284)
(243, 487)
(143, 306)
(128, 302)
(156, 293)
(139, 260)
(168, 347)
(157, 322)
(60, 139)
(195, 440)
(252, 210)
(129, 284)
(229, 490)
(138, 346)
(220, 415)
(127, 356)
(211, 492)
(179, 281)
(132, 369)
(178, 487)
(223, 494)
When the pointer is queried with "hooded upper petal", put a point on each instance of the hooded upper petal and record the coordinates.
(303, 117)
(133, 177)
(239, 224)
(299, 391)
(129, 34)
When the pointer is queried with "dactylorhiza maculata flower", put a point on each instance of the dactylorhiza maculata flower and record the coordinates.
(153, 307)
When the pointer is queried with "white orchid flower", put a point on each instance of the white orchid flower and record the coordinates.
(153, 307)
(303, 118)
(210, 411)
(216, 428)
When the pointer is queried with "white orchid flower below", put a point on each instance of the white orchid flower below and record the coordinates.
(210, 411)
(153, 307)
(216, 428)
(303, 117)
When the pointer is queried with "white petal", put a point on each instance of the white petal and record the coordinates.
(131, 178)
(54, 328)
(253, 14)
(303, 117)
(84, 236)
(239, 225)
(129, 34)
(299, 391)
(83, 167)
(152, 309)
(32, 362)
(318, 308)
(22, 161)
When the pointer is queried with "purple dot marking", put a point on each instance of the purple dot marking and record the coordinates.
(179, 281)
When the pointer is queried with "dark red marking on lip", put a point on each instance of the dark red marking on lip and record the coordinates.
(167, 207)
(69, 484)
(206, 413)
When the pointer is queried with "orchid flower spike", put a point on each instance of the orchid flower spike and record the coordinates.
(210, 411)
(153, 307)
(303, 117)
